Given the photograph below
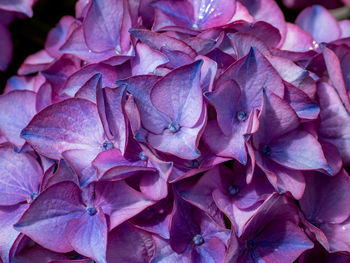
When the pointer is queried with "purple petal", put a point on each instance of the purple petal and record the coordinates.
(140, 87)
(262, 31)
(334, 69)
(157, 41)
(154, 185)
(269, 12)
(20, 176)
(88, 235)
(113, 110)
(201, 15)
(9, 215)
(111, 165)
(88, 90)
(105, 26)
(345, 28)
(76, 80)
(182, 227)
(313, 18)
(225, 99)
(325, 198)
(39, 255)
(176, 58)
(122, 206)
(335, 119)
(252, 73)
(338, 236)
(210, 252)
(44, 97)
(282, 240)
(75, 45)
(21, 6)
(183, 87)
(146, 60)
(242, 43)
(36, 62)
(46, 219)
(57, 36)
(200, 194)
(304, 107)
(299, 150)
(128, 244)
(277, 118)
(232, 146)
(24, 83)
(79, 120)
(15, 114)
(164, 253)
(5, 47)
(297, 39)
(156, 218)
(183, 143)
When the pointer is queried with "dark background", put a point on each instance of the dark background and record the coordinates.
(28, 35)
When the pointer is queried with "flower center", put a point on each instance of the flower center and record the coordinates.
(91, 210)
(198, 240)
(107, 145)
(241, 116)
(32, 197)
(251, 244)
(194, 164)
(174, 127)
(143, 156)
(266, 150)
(233, 189)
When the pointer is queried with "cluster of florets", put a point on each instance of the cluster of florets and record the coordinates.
(179, 131)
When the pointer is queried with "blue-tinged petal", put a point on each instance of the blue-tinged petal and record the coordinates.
(88, 235)
(46, 220)
(72, 124)
(129, 244)
(17, 108)
(20, 176)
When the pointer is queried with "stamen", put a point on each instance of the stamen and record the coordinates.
(174, 127)
(233, 189)
(143, 156)
(241, 116)
(266, 150)
(198, 240)
(107, 145)
(91, 210)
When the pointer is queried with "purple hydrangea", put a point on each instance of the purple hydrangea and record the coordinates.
(178, 131)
